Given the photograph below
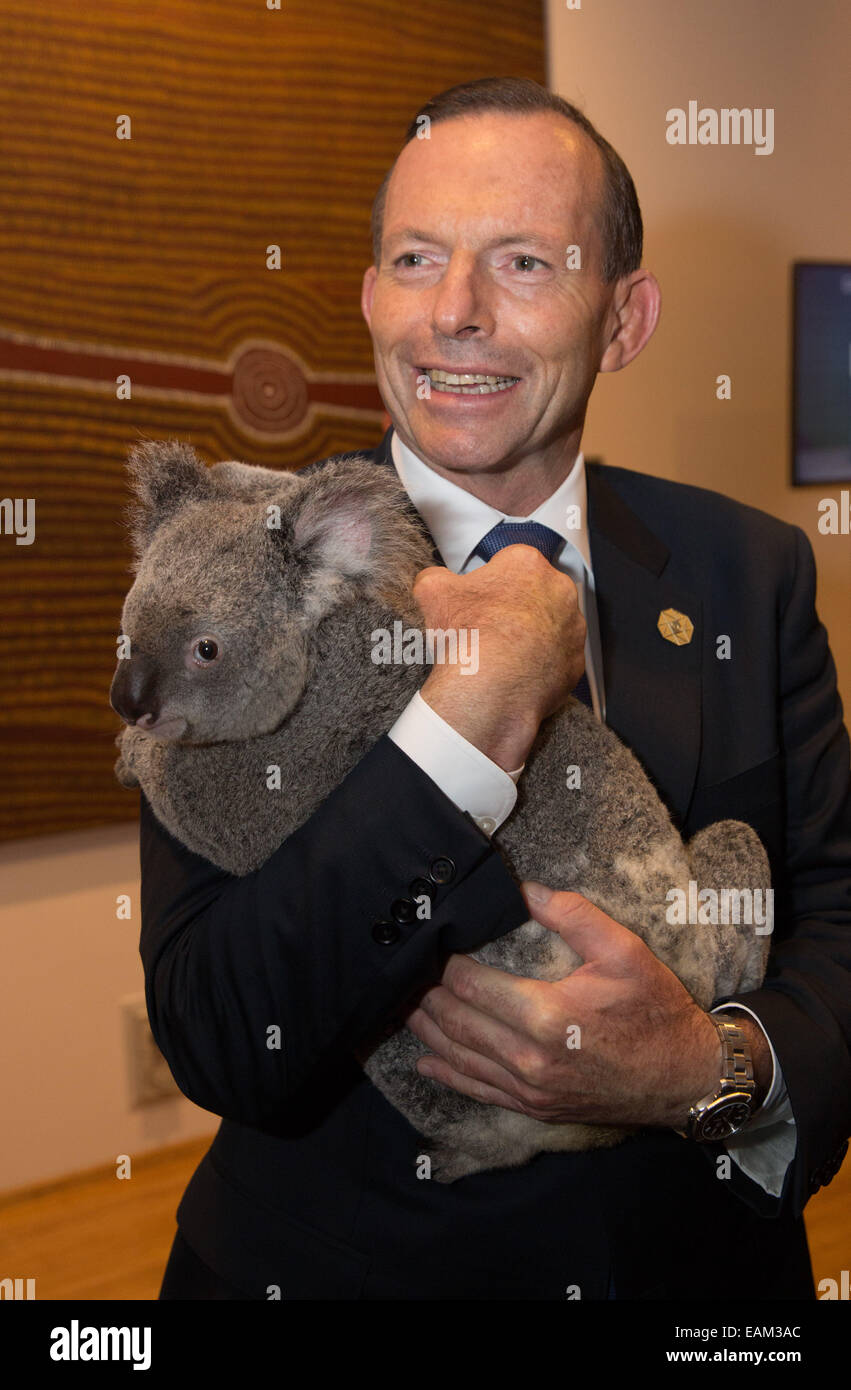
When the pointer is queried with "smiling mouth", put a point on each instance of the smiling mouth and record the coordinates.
(467, 383)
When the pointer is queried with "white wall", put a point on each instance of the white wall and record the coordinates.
(67, 960)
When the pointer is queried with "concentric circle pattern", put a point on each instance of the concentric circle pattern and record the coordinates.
(269, 391)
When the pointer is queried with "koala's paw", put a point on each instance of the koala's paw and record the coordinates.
(124, 773)
(448, 1165)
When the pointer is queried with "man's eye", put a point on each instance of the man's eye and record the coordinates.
(409, 256)
(524, 256)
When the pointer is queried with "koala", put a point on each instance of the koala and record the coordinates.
(249, 689)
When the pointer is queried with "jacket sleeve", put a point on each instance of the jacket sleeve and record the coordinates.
(804, 1003)
(315, 949)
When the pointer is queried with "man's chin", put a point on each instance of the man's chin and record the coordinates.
(459, 447)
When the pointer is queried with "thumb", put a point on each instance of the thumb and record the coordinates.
(579, 922)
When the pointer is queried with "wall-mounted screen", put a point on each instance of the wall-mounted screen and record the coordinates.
(821, 427)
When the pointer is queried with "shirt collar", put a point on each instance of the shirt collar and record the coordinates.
(457, 520)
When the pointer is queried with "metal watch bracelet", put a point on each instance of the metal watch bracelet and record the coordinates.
(724, 1111)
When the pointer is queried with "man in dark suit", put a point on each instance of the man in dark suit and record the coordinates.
(313, 1186)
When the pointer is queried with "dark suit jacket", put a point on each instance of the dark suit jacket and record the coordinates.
(311, 1181)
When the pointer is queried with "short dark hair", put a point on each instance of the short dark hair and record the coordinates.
(620, 215)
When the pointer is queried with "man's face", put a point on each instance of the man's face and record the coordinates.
(474, 279)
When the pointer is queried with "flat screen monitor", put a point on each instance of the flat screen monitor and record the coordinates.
(821, 426)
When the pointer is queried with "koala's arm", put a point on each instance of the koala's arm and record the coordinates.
(292, 946)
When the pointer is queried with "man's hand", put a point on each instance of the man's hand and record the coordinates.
(646, 1052)
(530, 648)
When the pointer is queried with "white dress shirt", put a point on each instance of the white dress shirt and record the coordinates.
(457, 522)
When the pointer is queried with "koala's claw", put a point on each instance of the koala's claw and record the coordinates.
(124, 773)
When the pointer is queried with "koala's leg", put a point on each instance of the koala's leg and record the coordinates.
(459, 1134)
(463, 1136)
(659, 896)
(432, 1109)
(507, 1139)
(730, 867)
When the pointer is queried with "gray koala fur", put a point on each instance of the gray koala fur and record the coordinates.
(293, 609)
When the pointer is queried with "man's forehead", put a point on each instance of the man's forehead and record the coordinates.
(494, 155)
(490, 231)
(542, 135)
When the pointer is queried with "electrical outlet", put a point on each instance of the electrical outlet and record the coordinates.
(147, 1069)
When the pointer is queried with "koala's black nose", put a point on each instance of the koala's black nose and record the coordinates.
(133, 690)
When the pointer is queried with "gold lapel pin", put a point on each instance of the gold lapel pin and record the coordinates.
(675, 627)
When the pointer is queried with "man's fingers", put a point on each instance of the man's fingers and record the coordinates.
(513, 1000)
(476, 1060)
(440, 1071)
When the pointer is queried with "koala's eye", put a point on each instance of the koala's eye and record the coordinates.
(205, 650)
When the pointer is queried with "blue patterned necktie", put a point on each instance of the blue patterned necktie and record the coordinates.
(549, 543)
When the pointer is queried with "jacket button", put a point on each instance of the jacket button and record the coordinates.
(419, 886)
(385, 933)
(403, 910)
(441, 870)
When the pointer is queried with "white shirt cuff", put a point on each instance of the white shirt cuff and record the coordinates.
(467, 776)
(766, 1146)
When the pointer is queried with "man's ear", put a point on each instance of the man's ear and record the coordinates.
(164, 475)
(637, 305)
(367, 291)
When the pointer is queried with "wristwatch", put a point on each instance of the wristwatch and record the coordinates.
(726, 1110)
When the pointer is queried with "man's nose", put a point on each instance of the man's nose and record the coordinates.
(463, 299)
(133, 691)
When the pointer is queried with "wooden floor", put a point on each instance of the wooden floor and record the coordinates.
(95, 1237)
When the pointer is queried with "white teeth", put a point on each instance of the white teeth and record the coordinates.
(468, 383)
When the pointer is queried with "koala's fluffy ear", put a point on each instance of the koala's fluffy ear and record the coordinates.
(164, 475)
(352, 521)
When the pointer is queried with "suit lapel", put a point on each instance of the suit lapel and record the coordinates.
(653, 686)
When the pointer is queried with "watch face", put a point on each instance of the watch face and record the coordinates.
(729, 1116)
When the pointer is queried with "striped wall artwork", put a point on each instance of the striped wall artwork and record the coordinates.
(185, 195)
